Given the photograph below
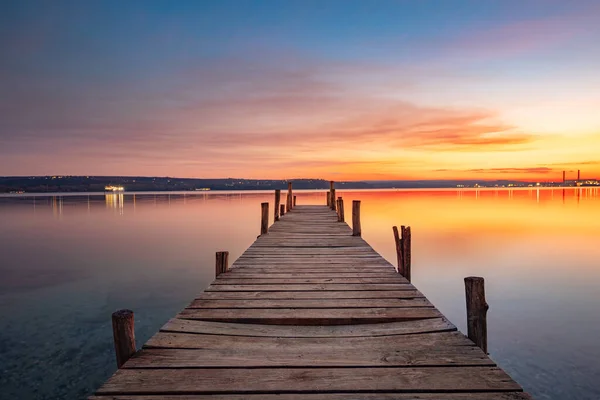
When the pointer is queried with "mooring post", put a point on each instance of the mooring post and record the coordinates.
(406, 251)
(222, 263)
(123, 335)
(328, 195)
(264, 220)
(398, 241)
(340, 209)
(277, 202)
(282, 210)
(332, 195)
(356, 231)
(476, 311)
(290, 195)
(403, 250)
(294, 204)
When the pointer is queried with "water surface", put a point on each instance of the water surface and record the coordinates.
(68, 262)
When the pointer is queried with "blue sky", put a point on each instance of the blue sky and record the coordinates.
(223, 88)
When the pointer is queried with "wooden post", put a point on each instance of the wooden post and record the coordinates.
(282, 210)
(328, 193)
(356, 231)
(294, 204)
(222, 263)
(277, 202)
(406, 251)
(123, 335)
(264, 221)
(333, 201)
(398, 241)
(340, 210)
(290, 195)
(332, 195)
(476, 311)
(403, 250)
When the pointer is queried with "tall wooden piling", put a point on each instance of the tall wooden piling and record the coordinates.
(290, 195)
(264, 220)
(403, 250)
(477, 309)
(294, 203)
(222, 262)
(340, 210)
(356, 231)
(277, 203)
(328, 195)
(282, 210)
(123, 335)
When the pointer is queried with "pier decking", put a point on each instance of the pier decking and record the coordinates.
(310, 312)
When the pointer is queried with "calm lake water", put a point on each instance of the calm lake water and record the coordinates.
(68, 262)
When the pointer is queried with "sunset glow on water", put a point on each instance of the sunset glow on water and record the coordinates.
(70, 261)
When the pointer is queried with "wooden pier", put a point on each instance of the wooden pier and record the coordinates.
(309, 311)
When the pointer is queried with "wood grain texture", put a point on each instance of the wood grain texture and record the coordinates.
(299, 380)
(329, 396)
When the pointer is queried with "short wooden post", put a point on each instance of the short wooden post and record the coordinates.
(294, 204)
(332, 195)
(290, 197)
(222, 262)
(123, 335)
(264, 221)
(356, 231)
(277, 203)
(333, 201)
(476, 311)
(340, 210)
(282, 210)
(403, 250)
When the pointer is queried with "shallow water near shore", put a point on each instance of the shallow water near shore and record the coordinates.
(68, 262)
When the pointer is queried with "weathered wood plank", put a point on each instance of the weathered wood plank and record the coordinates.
(310, 287)
(302, 316)
(322, 295)
(290, 380)
(298, 303)
(338, 331)
(370, 356)
(288, 281)
(272, 274)
(330, 396)
(181, 340)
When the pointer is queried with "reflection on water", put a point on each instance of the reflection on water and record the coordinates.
(69, 261)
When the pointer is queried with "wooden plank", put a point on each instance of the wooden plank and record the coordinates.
(301, 316)
(330, 396)
(365, 356)
(322, 295)
(299, 303)
(338, 331)
(290, 380)
(308, 287)
(296, 281)
(272, 274)
(180, 340)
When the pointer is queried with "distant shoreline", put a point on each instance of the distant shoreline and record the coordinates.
(239, 191)
(97, 184)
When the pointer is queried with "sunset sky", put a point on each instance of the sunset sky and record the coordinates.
(284, 89)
